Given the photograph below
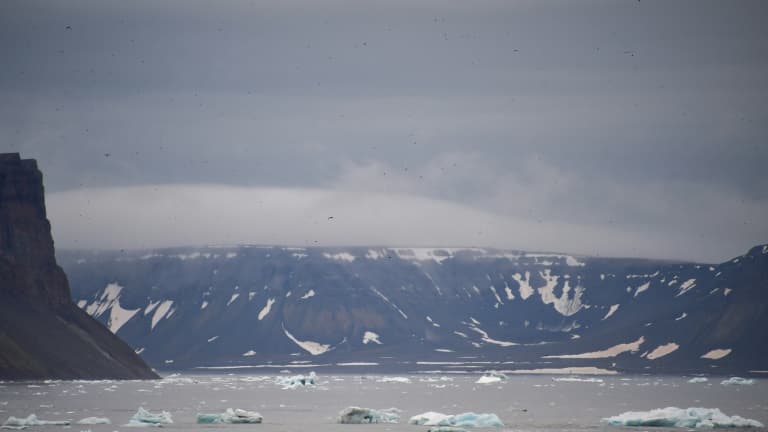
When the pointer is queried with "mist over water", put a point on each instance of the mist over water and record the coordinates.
(523, 403)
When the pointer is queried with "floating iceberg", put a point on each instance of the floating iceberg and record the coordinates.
(144, 418)
(297, 381)
(683, 418)
(231, 416)
(695, 380)
(357, 415)
(738, 381)
(468, 419)
(32, 420)
(94, 421)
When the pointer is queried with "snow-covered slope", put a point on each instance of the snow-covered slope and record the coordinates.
(426, 307)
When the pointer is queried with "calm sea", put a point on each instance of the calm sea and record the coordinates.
(524, 403)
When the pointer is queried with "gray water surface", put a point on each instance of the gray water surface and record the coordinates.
(524, 403)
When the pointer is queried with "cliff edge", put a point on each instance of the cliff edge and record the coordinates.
(43, 334)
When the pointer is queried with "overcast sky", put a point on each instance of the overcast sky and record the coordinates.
(622, 128)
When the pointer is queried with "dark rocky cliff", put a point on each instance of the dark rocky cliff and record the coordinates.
(42, 333)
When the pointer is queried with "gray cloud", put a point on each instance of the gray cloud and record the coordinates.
(638, 119)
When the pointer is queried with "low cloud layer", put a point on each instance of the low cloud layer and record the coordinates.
(607, 127)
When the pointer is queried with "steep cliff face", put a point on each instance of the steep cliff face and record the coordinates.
(42, 333)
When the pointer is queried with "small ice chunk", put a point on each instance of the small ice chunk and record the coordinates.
(296, 381)
(738, 381)
(31, 420)
(357, 415)
(468, 419)
(144, 418)
(491, 378)
(682, 418)
(94, 421)
(695, 380)
(230, 416)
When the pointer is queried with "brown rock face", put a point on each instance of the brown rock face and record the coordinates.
(42, 333)
(28, 268)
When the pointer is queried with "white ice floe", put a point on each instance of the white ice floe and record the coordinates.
(468, 419)
(230, 416)
(297, 381)
(369, 337)
(394, 379)
(31, 420)
(491, 378)
(94, 421)
(358, 415)
(737, 381)
(682, 418)
(695, 380)
(716, 354)
(144, 418)
(580, 370)
(577, 379)
(488, 380)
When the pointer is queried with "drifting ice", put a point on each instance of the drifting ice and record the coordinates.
(32, 420)
(683, 418)
(94, 420)
(738, 381)
(577, 379)
(357, 415)
(231, 416)
(491, 377)
(396, 379)
(144, 418)
(695, 380)
(297, 381)
(468, 419)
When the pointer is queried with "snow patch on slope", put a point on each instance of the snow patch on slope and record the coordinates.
(716, 354)
(266, 309)
(606, 353)
(313, 348)
(564, 304)
(369, 337)
(662, 350)
(611, 311)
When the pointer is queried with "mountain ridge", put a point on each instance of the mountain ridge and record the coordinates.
(278, 304)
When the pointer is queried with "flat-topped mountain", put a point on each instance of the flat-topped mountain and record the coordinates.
(43, 334)
(427, 308)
